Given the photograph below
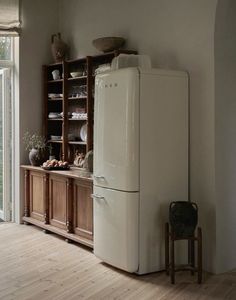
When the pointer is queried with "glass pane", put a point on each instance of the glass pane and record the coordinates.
(1, 183)
(5, 48)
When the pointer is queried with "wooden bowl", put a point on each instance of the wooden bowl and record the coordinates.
(107, 44)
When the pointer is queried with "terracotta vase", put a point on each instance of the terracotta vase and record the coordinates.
(183, 217)
(37, 157)
(59, 48)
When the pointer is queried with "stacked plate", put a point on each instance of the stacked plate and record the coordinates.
(54, 115)
(52, 96)
(79, 116)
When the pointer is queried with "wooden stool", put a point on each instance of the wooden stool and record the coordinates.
(170, 238)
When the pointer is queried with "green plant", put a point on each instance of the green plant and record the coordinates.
(34, 141)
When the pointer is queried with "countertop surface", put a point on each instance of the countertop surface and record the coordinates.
(73, 172)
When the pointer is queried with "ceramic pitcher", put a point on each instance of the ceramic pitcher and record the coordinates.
(59, 48)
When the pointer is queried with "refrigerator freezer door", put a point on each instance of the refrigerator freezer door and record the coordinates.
(116, 130)
(116, 228)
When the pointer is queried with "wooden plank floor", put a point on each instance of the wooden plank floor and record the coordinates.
(37, 266)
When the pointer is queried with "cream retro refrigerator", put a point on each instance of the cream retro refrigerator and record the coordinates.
(140, 163)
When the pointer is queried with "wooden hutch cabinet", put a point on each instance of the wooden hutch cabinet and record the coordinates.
(69, 103)
(60, 201)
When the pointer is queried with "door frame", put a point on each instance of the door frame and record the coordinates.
(5, 74)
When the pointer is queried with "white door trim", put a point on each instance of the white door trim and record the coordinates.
(5, 214)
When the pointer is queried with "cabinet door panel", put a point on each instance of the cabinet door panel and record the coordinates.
(37, 196)
(57, 201)
(83, 209)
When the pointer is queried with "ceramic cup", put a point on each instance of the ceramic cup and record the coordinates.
(56, 74)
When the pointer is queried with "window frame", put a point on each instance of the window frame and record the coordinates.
(9, 61)
(8, 211)
(5, 212)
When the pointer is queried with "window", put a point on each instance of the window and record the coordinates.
(10, 27)
(5, 48)
(6, 84)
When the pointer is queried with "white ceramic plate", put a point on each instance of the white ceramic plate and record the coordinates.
(83, 133)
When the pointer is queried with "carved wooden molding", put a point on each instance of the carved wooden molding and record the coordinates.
(27, 194)
(46, 198)
(69, 205)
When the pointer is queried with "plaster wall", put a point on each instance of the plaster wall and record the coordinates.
(177, 36)
(39, 21)
(225, 124)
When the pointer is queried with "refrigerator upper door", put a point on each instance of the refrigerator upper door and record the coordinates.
(116, 228)
(116, 130)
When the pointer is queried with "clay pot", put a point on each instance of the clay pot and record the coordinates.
(59, 48)
(183, 217)
(37, 157)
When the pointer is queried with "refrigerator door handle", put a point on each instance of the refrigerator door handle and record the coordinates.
(95, 196)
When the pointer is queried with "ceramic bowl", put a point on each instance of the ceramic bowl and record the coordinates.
(76, 74)
(107, 44)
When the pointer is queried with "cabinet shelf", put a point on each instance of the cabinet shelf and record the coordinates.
(71, 119)
(69, 142)
(55, 99)
(56, 64)
(77, 78)
(55, 141)
(72, 94)
(76, 143)
(55, 81)
(78, 98)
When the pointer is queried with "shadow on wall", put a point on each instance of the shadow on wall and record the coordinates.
(225, 134)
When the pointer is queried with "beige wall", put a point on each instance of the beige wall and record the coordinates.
(39, 21)
(225, 108)
(177, 35)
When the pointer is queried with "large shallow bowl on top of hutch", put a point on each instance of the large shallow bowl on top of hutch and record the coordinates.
(60, 201)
